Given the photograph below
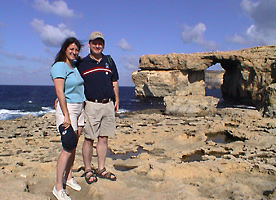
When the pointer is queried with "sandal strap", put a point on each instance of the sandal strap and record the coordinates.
(109, 174)
(101, 171)
(88, 171)
(91, 175)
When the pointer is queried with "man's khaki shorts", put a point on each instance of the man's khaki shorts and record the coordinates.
(99, 120)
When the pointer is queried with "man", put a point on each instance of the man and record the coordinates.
(102, 93)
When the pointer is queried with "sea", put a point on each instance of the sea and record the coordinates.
(19, 100)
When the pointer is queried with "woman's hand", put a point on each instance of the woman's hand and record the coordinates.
(66, 122)
(55, 103)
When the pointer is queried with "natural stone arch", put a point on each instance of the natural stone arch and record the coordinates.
(248, 75)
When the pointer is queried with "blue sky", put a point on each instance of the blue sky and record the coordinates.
(31, 31)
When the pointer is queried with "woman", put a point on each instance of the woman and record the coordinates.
(70, 93)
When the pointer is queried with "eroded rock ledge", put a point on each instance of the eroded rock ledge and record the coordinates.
(249, 79)
(230, 155)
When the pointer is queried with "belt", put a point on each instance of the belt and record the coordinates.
(100, 100)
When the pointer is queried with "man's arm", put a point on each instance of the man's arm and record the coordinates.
(116, 92)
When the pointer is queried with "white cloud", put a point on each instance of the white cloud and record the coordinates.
(50, 35)
(126, 65)
(123, 44)
(236, 39)
(196, 34)
(58, 7)
(263, 29)
(23, 75)
(20, 57)
(193, 34)
(130, 62)
(263, 12)
(13, 55)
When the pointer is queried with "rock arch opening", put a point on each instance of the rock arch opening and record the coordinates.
(213, 77)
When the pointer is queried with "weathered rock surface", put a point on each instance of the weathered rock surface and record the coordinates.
(248, 74)
(191, 105)
(168, 83)
(228, 155)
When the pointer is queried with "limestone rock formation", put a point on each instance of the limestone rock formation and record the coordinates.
(229, 155)
(161, 83)
(248, 75)
(191, 105)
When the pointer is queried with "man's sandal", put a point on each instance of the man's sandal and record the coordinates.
(88, 177)
(104, 174)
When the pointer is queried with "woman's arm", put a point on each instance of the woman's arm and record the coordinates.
(59, 87)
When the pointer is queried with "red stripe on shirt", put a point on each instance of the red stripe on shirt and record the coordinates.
(96, 69)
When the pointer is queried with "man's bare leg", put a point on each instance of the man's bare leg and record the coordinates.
(87, 152)
(101, 151)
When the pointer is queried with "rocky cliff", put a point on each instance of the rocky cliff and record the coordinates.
(249, 76)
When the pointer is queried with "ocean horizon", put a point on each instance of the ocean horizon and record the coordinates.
(21, 100)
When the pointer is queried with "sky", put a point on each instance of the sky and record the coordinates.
(32, 31)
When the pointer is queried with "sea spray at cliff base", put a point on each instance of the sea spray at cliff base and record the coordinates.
(17, 101)
(11, 114)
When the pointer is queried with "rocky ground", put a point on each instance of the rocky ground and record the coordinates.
(230, 155)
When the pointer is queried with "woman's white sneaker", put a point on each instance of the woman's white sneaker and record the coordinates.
(72, 183)
(61, 195)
